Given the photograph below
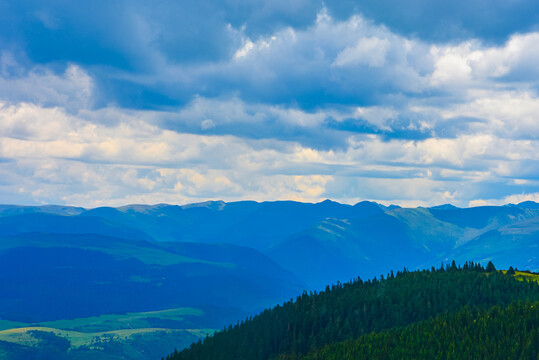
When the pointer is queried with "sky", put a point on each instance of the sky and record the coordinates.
(409, 102)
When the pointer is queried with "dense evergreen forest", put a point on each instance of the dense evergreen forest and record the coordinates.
(378, 309)
(497, 333)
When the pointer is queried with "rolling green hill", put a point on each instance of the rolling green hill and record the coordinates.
(112, 336)
(55, 344)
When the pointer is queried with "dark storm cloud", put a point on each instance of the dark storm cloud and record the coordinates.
(446, 21)
(127, 44)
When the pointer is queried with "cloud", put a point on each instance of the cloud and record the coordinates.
(182, 32)
(472, 63)
(328, 62)
(73, 89)
(235, 101)
(370, 51)
(492, 21)
(286, 65)
(510, 199)
(518, 198)
(54, 156)
(350, 62)
(322, 63)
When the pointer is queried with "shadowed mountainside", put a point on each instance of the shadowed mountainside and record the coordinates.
(85, 275)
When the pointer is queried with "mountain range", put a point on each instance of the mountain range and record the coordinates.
(232, 259)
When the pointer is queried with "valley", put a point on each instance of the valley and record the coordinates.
(112, 336)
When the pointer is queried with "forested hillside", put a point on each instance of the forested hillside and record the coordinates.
(497, 333)
(349, 311)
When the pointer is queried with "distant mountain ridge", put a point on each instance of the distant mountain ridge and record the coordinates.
(213, 221)
(526, 205)
(365, 238)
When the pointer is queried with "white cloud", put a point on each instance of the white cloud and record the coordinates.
(370, 51)
(480, 202)
(86, 163)
(474, 64)
(207, 124)
(511, 114)
(242, 52)
(452, 65)
(510, 199)
(311, 187)
(518, 198)
(73, 89)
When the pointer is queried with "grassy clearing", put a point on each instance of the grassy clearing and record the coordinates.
(521, 276)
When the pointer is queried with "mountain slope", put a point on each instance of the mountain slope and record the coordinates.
(8, 210)
(516, 243)
(338, 249)
(85, 275)
(55, 224)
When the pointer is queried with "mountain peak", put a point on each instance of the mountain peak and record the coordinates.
(213, 205)
(445, 207)
(528, 205)
(327, 202)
